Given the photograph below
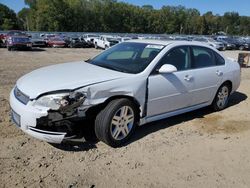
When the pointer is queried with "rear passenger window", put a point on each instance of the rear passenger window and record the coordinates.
(219, 60)
(202, 57)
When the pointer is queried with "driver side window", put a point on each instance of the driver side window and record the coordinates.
(178, 57)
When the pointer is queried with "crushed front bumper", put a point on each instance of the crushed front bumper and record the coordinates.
(25, 117)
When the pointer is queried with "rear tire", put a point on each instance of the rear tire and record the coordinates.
(221, 98)
(116, 122)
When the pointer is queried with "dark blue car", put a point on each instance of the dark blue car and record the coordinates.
(18, 40)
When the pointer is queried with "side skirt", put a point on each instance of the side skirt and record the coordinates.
(173, 113)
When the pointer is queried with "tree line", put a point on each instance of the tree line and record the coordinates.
(114, 16)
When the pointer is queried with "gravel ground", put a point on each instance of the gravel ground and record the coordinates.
(197, 149)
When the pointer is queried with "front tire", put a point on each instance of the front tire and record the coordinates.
(116, 122)
(221, 99)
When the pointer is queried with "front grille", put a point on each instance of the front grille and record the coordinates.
(21, 96)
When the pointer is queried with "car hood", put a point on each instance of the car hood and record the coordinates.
(67, 76)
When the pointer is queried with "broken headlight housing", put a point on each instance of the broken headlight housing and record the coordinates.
(61, 101)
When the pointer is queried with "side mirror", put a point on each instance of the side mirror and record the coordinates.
(167, 68)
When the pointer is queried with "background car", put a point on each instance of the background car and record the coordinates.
(56, 42)
(228, 45)
(235, 42)
(105, 41)
(246, 44)
(78, 42)
(38, 42)
(89, 38)
(2, 40)
(210, 42)
(18, 40)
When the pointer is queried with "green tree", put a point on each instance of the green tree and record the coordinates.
(8, 19)
(117, 16)
(23, 17)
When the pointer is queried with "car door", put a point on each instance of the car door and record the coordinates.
(170, 92)
(207, 74)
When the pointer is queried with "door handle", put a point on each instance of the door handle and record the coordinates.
(188, 78)
(219, 73)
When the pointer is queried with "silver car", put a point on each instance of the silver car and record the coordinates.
(130, 84)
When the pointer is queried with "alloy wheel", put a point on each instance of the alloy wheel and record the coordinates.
(222, 97)
(122, 123)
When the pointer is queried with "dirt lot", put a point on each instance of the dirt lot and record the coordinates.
(198, 149)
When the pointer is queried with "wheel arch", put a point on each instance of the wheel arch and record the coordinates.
(229, 83)
(93, 111)
(213, 104)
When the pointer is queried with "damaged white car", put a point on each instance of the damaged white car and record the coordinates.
(130, 84)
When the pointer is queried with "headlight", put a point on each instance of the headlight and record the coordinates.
(63, 101)
(54, 101)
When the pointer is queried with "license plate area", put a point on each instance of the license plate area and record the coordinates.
(16, 118)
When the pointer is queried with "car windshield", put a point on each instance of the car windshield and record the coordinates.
(16, 33)
(21, 39)
(127, 57)
(111, 39)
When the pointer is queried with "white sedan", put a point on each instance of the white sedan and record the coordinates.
(130, 84)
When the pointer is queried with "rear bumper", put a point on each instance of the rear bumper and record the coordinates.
(25, 117)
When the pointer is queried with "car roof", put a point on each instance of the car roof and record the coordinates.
(168, 42)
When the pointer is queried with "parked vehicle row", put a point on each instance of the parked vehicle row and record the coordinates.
(234, 43)
(21, 40)
(211, 42)
(78, 42)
